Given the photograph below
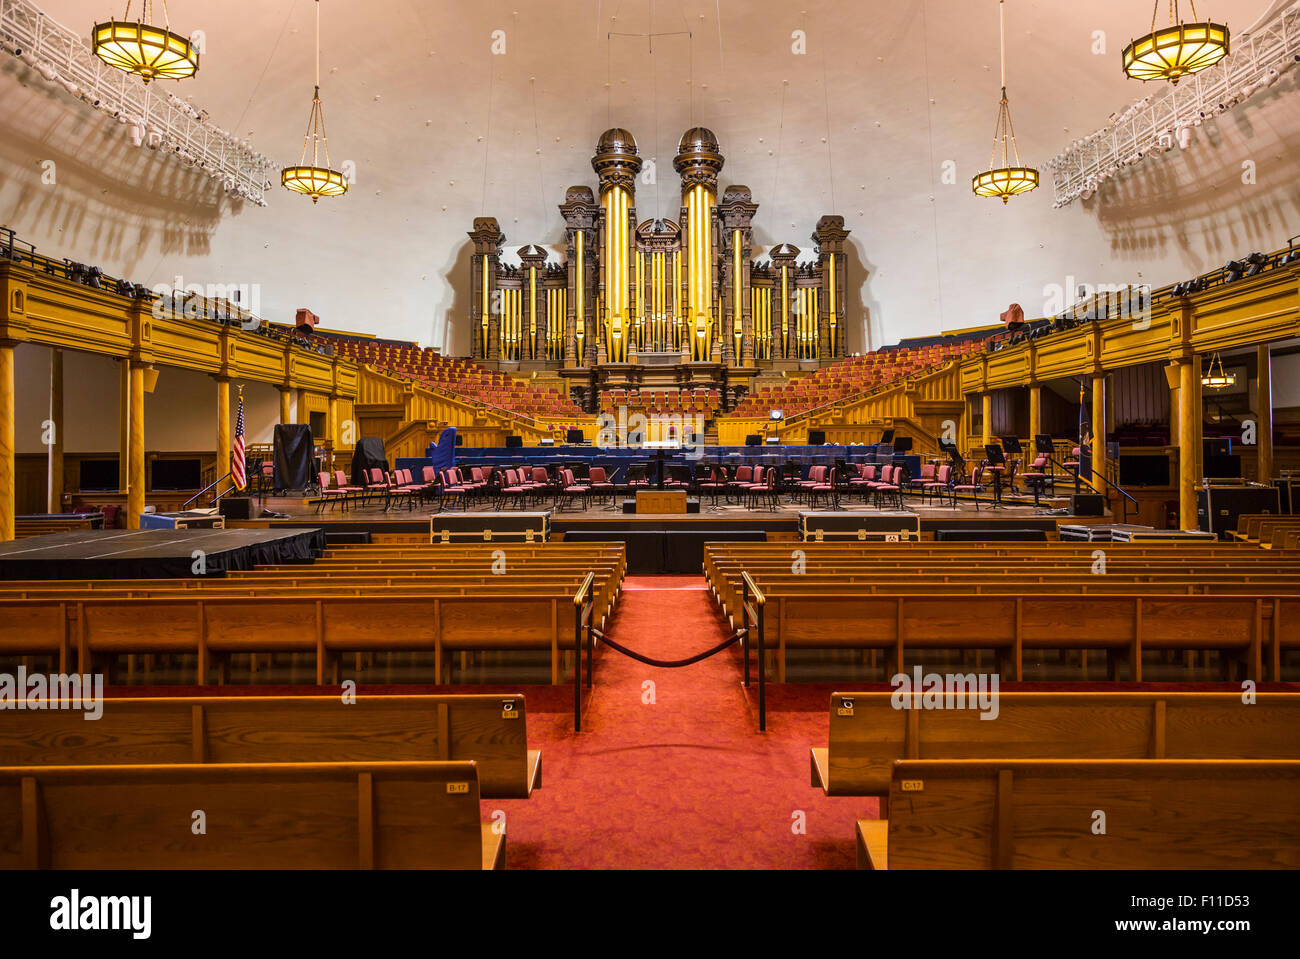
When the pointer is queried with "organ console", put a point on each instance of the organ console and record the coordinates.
(679, 302)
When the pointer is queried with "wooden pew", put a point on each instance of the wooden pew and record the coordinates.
(1253, 527)
(405, 815)
(1042, 813)
(885, 597)
(305, 622)
(24, 528)
(1270, 529)
(489, 729)
(870, 733)
(888, 582)
(1122, 624)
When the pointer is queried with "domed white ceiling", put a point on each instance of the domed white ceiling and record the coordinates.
(886, 98)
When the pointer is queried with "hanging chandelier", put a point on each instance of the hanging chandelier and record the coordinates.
(1220, 380)
(138, 46)
(313, 179)
(1009, 179)
(1178, 50)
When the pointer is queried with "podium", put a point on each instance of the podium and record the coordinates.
(661, 501)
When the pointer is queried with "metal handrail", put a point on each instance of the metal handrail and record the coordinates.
(217, 482)
(582, 609)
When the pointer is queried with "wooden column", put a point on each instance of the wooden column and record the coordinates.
(8, 484)
(1264, 414)
(986, 406)
(1035, 414)
(1099, 431)
(332, 428)
(124, 428)
(286, 406)
(1188, 440)
(54, 485)
(135, 457)
(223, 425)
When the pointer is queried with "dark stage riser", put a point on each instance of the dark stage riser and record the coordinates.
(155, 554)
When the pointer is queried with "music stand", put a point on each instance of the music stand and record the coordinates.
(997, 465)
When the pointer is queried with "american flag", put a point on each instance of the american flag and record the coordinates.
(237, 470)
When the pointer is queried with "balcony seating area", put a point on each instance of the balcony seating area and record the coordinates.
(461, 377)
(665, 401)
(857, 374)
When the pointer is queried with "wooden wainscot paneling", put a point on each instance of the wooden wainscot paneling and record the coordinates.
(256, 358)
(972, 375)
(190, 345)
(1063, 355)
(69, 315)
(1263, 308)
(1135, 340)
(1008, 368)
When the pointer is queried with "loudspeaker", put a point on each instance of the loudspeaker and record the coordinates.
(514, 441)
(236, 507)
(753, 439)
(1087, 504)
(816, 437)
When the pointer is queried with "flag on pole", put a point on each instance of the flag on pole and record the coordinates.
(237, 470)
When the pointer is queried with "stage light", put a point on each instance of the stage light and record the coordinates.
(1233, 270)
(1176, 51)
(313, 179)
(1255, 263)
(138, 46)
(1009, 179)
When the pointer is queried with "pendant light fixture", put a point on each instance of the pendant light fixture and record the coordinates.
(139, 47)
(1178, 50)
(1010, 178)
(1220, 380)
(312, 179)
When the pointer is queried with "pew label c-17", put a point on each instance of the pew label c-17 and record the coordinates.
(912, 785)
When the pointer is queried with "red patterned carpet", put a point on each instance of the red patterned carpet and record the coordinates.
(685, 781)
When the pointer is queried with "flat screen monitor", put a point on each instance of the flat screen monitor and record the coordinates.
(902, 444)
(177, 474)
(99, 474)
(575, 437)
(887, 436)
(754, 439)
(1223, 467)
(816, 437)
(513, 441)
(1143, 470)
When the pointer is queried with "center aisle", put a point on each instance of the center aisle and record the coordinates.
(669, 770)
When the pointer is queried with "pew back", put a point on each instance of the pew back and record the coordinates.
(869, 731)
(409, 815)
(1041, 814)
(489, 729)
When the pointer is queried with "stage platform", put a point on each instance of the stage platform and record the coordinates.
(662, 542)
(154, 554)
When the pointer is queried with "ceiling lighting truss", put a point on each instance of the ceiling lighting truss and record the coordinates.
(157, 119)
(1157, 124)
